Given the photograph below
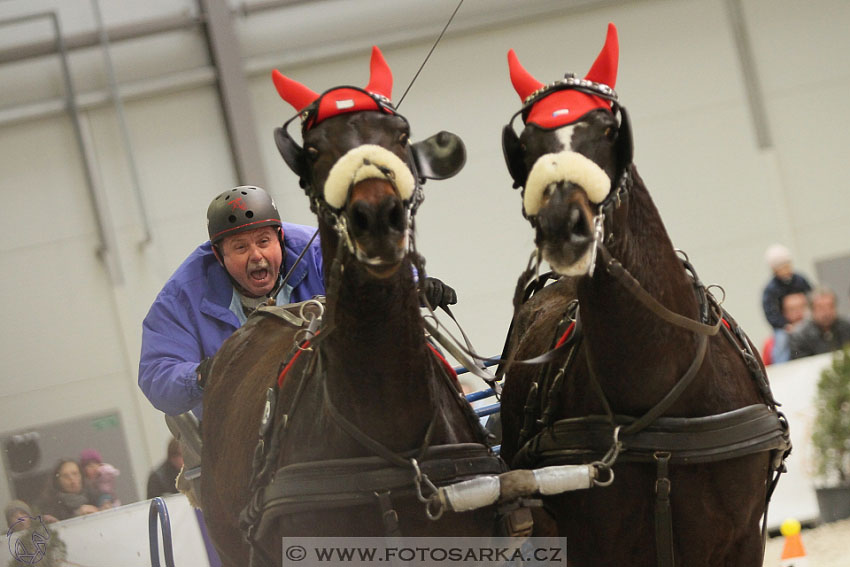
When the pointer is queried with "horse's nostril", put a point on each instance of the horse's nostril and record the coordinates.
(359, 218)
(395, 216)
(577, 223)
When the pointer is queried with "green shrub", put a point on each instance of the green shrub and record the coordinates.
(831, 434)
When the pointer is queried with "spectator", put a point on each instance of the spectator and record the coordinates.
(65, 497)
(163, 480)
(90, 460)
(98, 479)
(824, 332)
(783, 282)
(795, 309)
(18, 515)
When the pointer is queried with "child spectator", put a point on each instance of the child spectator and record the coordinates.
(98, 479)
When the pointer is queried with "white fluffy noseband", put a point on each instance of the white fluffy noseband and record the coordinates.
(566, 166)
(366, 162)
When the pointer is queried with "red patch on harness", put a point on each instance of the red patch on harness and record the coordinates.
(291, 363)
(566, 334)
(449, 368)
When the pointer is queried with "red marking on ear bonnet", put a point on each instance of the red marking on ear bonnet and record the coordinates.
(567, 106)
(341, 100)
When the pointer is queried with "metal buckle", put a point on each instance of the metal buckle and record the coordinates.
(598, 235)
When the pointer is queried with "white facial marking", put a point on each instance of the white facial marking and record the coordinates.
(565, 136)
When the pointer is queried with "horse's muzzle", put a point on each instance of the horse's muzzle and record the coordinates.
(378, 224)
(564, 227)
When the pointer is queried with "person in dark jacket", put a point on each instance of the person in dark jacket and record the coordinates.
(163, 480)
(784, 282)
(65, 497)
(825, 331)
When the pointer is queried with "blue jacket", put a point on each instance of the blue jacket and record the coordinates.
(191, 318)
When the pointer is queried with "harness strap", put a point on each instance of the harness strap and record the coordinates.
(616, 269)
(364, 440)
(689, 440)
(389, 516)
(677, 390)
(341, 483)
(664, 550)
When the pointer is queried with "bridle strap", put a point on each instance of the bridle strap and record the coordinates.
(616, 269)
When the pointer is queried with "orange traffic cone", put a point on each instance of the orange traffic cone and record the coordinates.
(793, 553)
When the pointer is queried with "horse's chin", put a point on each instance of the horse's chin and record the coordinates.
(380, 267)
(383, 271)
(566, 264)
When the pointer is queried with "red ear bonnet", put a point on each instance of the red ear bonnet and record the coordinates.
(567, 106)
(343, 99)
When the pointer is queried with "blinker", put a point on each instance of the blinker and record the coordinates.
(441, 156)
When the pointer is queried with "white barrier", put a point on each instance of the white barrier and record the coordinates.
(119, 537)
(794, 385)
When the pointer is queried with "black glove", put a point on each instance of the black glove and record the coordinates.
(438, 294)
(203, 371)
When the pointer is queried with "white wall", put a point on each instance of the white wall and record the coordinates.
(71, 336)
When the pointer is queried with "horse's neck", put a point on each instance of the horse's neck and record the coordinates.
(377, 349)
(625, 339)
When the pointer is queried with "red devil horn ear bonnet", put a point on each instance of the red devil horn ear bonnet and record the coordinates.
(376, 96)
(562, 107)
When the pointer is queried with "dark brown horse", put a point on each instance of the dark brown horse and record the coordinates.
(369, 414)
(651, 374)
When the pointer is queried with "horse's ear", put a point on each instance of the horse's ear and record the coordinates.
(441, 156)
(292, 153)
(625, 144)
(512, 149)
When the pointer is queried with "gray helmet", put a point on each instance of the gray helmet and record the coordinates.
(239, 209)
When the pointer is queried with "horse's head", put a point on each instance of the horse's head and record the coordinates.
(359, 168)
(571, 158)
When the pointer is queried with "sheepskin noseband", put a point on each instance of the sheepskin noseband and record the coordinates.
(566, 166)
(367, 162)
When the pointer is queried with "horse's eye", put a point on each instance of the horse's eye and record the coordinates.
(312, 152)
(403, 139)
(610, 132)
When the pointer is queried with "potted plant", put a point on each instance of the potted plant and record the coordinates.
(831, 437)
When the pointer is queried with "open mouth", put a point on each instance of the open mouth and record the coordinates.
(259, 275)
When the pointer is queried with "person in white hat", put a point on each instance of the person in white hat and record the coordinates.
(784, 281)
